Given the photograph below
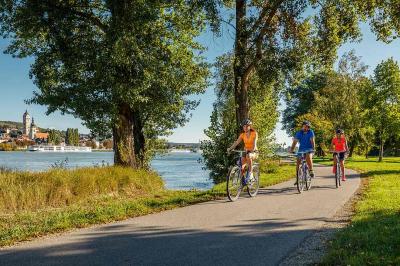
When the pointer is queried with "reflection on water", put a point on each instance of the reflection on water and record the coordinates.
(178, 170)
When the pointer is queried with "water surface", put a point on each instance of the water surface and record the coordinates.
(178, 170)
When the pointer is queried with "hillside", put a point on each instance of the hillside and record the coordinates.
(12, 124)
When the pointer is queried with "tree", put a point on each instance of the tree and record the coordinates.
(54, 137)
(223, 128)
(385, 101)
(72, 137)
(281, 31)
(340, 100)
(124, 67)
(331, 100)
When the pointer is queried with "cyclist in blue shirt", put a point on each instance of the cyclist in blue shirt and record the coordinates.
(306, 138)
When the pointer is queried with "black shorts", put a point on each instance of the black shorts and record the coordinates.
(341, 155)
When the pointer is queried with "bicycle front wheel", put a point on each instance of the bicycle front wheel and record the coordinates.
(300, 179)
(307, 178)
(254, 184)
(233, 183)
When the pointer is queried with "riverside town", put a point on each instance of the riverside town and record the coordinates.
(29, 135)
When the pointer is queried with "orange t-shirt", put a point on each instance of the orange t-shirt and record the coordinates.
(249, 141)
(340, 144)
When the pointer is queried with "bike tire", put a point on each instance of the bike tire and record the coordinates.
(234, 178)
(340, 175)
(300, 179)
(337, 176)
(308, 179)
(254, 186)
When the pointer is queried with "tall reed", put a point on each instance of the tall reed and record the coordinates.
(20, 191)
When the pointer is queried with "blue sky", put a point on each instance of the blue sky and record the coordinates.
(15, 85)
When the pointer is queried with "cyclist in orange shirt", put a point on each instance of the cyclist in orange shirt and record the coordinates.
(339, 146)
(249, 137)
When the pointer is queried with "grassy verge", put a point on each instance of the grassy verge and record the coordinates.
(36, 204)
(373, 237)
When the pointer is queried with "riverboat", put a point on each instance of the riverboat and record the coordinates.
(56, 148)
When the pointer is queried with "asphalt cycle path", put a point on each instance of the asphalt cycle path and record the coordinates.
(251, 231)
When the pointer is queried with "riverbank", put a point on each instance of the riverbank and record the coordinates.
(373, 235)
(36, 204)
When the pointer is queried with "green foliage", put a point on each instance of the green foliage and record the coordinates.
(223, 130)
(54, 137)
(120, 66)
(347, 99)
(373, 237)
(72, 137)
(384, 101)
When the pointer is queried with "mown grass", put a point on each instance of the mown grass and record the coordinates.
(36, 204)
(373, 236)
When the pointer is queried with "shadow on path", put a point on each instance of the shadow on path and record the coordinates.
(126, 244)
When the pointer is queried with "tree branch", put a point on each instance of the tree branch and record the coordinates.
(86, 16)
(260, 37)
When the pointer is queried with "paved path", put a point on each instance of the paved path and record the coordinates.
(251, 231)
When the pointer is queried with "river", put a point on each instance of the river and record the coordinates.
(179, 170)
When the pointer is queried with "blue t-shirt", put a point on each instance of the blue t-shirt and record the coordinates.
(304, 139)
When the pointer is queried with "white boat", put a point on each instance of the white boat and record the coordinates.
(179, 151)
(55, 148)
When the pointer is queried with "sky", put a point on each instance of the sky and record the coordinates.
(16, 86)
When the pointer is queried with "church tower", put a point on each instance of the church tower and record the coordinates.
(33, 130)
(26, 120)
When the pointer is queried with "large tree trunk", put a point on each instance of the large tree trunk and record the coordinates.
(139, 139)
(129, 140)
(241, 77)
(124, 154)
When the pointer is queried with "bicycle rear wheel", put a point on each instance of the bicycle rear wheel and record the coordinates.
(300, 179)
(234, 183)
(254, 184)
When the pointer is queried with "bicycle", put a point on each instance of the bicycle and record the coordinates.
(303, 176)
(236, 179)
(338, 169)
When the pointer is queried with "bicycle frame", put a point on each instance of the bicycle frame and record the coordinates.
(239, 161)
(303, 162)
(339, 173)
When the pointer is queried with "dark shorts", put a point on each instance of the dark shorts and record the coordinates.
(341, 155)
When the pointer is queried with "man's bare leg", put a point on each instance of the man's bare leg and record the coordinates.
(310, 163)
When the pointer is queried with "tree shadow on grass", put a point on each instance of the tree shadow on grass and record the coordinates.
(383, 172)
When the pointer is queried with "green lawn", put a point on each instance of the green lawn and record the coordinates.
(373, 237)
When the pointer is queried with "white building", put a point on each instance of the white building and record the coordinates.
(33, 130)
(26, 120)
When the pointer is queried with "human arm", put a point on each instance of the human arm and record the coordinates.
(255, 142)
(293, 145)
(332, 145)
(239, 139)
(312, 140)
